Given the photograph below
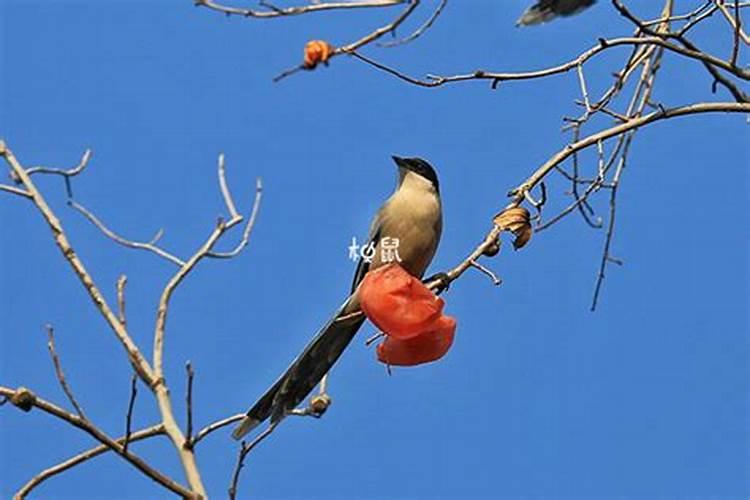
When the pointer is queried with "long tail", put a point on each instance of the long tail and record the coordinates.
(304, 373)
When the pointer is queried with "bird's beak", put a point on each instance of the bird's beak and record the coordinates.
(401, 162)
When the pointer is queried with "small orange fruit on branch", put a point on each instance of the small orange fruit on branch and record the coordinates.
(316, 52)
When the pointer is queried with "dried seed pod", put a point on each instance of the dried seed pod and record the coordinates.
(23, 399)
(320, 403)
(493, 249)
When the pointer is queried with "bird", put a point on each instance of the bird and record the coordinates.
(546, 10)
(410, 218)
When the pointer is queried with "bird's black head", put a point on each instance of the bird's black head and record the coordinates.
(419, 167)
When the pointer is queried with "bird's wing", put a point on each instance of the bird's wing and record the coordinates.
(374, 238)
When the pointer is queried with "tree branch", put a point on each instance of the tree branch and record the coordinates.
(82, 457)
(15, 190)
(129, 414)
(604, 44)
(136, 358)
(149, 246)
(59, 371)
(419, 31)
(244, 450)
(216, 426)
(30, 399)
(295, 11)
(248, 226)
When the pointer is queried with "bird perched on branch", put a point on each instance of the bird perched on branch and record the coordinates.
(412, 217)
(546, 10)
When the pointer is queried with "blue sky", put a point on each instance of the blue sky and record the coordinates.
(647, 397)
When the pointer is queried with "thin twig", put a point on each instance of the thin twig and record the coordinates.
(689, 49)
(294, 11)
(244, 450)
(383, 30)
(737, 31)
(419, 31)
(189, 405)
(59, 371)
(659, 115)
(584, 89)
(121, 282)
(149, 246)
(225, 191)
(734, 21)
(15, 190)
(129, 414)
(487, 271)
(214, 426)
(65, 172)
(249, 225)
(374, 338)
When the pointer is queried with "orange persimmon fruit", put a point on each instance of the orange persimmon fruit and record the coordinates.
(397, 302)
(428, 346)
(409, 314)
(316, 52)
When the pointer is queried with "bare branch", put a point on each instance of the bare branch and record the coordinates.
(365, 40)
(374, 338)
(682, 17)
(82, 457)
(244, 450)
(174, 282)
(419, 31)
(295, 11)
(660, 115)
(225, 191)
(136, 358)
(161, 391)
(497, 77)
(69, 172)
(641, 98)
(59, 371)
(129, 414)
(248, 226)
(689, 49)
(86, 426)
(189, 405)
(15, 190)
(735, 21)
(149, 246)
(121, 282)
(518, 194)
(154, 378)
(584, 90)
(495, 280)
(383, 30)
(216, 426)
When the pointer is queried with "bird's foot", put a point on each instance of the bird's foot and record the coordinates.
(443, 282)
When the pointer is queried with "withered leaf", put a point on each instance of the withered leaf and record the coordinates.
(517, 220)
